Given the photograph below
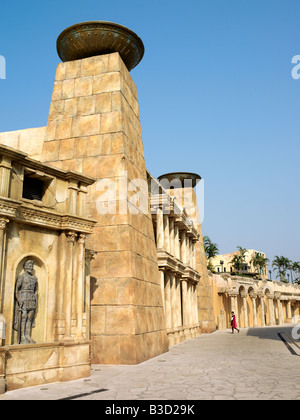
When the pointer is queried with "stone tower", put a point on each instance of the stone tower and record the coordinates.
(94, 128)
(183, 190)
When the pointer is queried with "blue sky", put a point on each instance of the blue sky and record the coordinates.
(216, 98)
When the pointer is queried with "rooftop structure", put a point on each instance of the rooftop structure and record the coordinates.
(89, 39)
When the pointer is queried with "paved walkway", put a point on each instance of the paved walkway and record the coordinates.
(256, 364)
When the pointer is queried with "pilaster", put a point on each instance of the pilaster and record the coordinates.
(5, 173)
(80, 285)
(3, 224)
(168, 302)
(71, 236)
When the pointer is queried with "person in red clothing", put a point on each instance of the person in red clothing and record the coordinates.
(234, 323)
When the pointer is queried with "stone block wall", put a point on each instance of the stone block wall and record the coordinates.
(94, 128)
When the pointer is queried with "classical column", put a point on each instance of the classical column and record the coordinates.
(253, 297)
(89, 256)
(160, 229)
(246, 321)
(80, 284)
(262, 304)
(280, 312)
(196, 297)
(5, 171)
(173, 300)
(289, 309)
(167, 232)
(168, 310)
(60, 314)
(172, 236)
(271, 310)
(185, 303)
(187, 249)
(176, 241)
(193, 256)
(162, 287)
(178, 303)
(183, 247)
(190, 303)
(3, 223)
(195, 312)
(233, 304)
(277, 296)
(68, 285)
(189, 246)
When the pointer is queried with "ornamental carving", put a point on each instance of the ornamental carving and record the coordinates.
(26, 301)
(71, 236)
(82, 239)
(3, 223)
(56, 221)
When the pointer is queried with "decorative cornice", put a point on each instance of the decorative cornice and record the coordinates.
(8, 207)
(77, 223)
(169, 207)
(56, 221)
(191, 274)
(168, 262)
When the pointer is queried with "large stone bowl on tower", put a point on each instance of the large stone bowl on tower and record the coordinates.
(184, 179)
(89, 39)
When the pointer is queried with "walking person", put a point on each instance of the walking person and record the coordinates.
(234, 323)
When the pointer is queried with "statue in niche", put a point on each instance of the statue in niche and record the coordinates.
(26, 301)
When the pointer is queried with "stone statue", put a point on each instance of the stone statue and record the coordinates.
(26, 295)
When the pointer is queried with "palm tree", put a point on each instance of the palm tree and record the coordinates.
(263, 264)
(243, 252)
(281, 264)
(295, 267)
(211, 250)
(238, 260)
(256, 261)
(259, 262)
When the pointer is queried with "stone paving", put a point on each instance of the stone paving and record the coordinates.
(255, 364)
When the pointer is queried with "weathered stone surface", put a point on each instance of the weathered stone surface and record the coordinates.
(101, 118)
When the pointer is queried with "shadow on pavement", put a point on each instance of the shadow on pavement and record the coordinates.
(272, 333)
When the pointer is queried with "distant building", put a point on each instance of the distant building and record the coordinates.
(223, 264)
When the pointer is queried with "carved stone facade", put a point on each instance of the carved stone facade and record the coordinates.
(186, 290)
(142, 283)
(50, 232)
(175, 241)
(149, 284)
